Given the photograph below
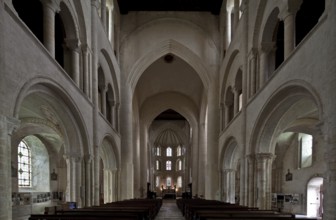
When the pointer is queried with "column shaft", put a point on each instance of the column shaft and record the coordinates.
(289, 23)
(88, 182)
(86, 70)
(103, 13)
(264, 169)
(253, 75)
(49, 10)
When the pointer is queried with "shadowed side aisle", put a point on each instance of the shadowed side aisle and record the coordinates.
(169, 210)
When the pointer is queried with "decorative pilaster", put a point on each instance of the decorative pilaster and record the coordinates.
(88, 180)
(50, 8)
(78, 181)
(7, 127)
(329, 183)
(114, 185)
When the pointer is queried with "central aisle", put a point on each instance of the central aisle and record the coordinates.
(169, 210)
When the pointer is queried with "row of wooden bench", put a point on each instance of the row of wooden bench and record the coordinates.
(135, 209)
(201, 209)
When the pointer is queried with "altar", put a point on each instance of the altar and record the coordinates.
(168, 194)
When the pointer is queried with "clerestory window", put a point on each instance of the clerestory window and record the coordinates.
(168, 165)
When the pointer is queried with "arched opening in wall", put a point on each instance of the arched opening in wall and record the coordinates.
(278, 38)
(109, 104)
(230, 182)
(101, 90)
(239, 90)
(33, 165)
(59, 40)
(31, 13)
(40, 176)
(315, 197)
(167, 135)
(307, 17)
(229, 105)
(295, 147)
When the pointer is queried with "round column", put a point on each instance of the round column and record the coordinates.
(73, 45)
(264, 168)
(127, 178)
(86, 71)
(49, 10)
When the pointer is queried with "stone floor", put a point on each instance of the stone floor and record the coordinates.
(169, 211)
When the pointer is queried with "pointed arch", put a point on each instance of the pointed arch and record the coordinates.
(168, 47)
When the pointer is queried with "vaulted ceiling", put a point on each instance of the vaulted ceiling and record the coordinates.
(212, 6)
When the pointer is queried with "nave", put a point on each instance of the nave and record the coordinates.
(169, 211)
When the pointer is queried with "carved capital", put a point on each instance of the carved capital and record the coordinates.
(12, 125)
(265, 156)
(88, 158)
(54, 5)
(73, 44)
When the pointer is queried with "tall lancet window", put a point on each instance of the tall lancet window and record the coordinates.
(169, 152)
(179, 151)
(168, 165)
(24, 165)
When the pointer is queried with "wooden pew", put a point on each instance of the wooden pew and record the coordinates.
(200, 209)
(92, 216)
(135, 209)
(232, 214)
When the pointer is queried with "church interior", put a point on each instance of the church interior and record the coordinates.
(109, 100)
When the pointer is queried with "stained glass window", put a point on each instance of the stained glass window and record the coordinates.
(24, 165)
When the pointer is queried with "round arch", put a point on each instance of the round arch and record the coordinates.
(268, 123)
(229, 154)
(71, 122)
